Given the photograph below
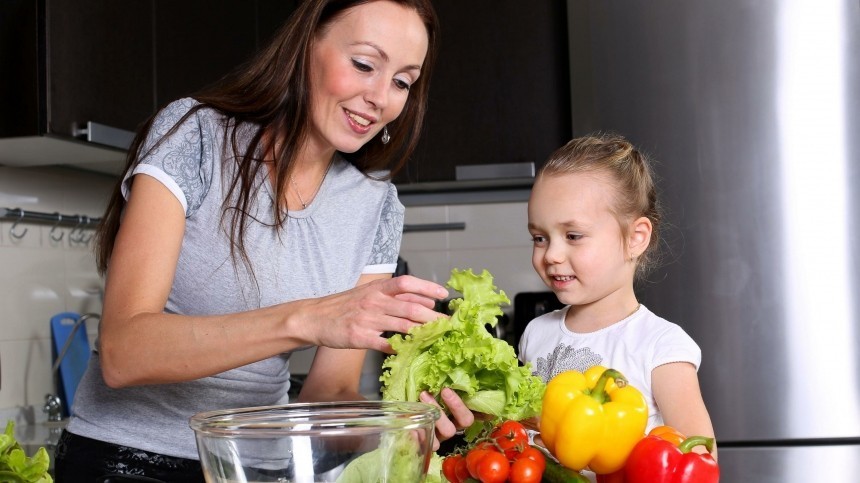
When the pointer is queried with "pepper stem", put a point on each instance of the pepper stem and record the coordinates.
(598, 392)
(688, 444)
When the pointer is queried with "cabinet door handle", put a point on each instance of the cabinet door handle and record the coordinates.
(435, 227)
(104, 134)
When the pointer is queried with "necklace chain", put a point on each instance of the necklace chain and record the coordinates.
(296, 186)
(299, 193)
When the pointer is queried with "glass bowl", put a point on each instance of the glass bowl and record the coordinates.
(344, 442)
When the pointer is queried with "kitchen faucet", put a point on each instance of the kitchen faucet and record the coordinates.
(53, 407)
(53, 403)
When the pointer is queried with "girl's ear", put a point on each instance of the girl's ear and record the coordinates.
(640, 236)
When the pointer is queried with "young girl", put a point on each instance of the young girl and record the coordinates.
(594, 218)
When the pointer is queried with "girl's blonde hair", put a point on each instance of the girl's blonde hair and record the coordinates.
(636, 192)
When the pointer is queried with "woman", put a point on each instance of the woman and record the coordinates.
(253, 220)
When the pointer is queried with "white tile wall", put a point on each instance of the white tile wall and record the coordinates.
(496, 238)
(40, 277)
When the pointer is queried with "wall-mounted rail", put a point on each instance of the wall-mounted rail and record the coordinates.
(79, 223)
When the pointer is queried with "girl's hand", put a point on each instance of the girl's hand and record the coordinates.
(357, 318)
(461, 415)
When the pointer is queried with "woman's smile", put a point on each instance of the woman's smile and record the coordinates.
(359, 123)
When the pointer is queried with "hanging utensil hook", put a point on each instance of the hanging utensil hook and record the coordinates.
(87, 222)
(76, 234)
(53, 232)
(12, 232)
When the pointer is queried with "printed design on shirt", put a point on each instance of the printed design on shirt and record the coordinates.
(184, 154)
(183, 164)
(386, 246)
(565, 358)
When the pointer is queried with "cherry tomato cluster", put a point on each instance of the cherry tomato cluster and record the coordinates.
(503, 457)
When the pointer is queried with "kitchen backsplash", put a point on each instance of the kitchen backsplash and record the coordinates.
(494, 237)
(40, 277)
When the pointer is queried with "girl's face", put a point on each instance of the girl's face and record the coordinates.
(578, 247)
(361, 69)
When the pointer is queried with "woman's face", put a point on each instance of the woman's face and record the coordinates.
(361, 69)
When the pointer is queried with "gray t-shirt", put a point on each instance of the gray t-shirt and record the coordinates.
(353, 226)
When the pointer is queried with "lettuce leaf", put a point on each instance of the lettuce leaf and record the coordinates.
(398, 458)
(16, 466)
(459, 353)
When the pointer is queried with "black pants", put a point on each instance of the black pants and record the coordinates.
(85, 460)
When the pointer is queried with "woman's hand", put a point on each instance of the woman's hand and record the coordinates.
(357, 318)
(462, 416)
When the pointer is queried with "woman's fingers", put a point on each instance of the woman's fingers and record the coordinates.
(444, 426)
(359, 317)
(413, 285)
(417, 299)
(462, 415)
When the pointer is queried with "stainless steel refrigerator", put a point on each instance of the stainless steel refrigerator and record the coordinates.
(751, 109)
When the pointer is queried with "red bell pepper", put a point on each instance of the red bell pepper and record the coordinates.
(656, 460)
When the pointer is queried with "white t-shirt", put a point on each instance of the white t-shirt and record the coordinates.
(634, 346)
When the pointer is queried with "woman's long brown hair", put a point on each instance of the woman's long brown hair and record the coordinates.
(272, 91)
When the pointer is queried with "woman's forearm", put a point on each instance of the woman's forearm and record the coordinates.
(161, 348)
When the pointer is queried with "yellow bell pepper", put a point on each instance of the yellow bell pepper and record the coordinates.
(592, 419)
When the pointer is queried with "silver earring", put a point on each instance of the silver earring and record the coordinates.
(385, 136)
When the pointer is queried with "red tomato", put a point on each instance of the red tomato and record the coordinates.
(525, 470)
(473, 457)
(532, 454)
(449, 468)
(486, 445)
(493, 468)
(460, 470)
(511, 437)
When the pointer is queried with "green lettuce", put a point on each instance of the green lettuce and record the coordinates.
(459, 353)
(15, 466)
(398, 458)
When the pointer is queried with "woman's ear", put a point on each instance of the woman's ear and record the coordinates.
(640, 236)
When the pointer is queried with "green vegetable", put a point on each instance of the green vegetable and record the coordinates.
(459, 353)
(554, 472)
(15, 466)
(434, 470)
(398, 458)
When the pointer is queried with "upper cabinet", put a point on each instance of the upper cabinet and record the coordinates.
(76, 62)
(87, 73)
(78, 70)
(199, 41)
(500, 90)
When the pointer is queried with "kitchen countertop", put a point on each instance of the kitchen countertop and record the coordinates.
(32, 429)
(33, 436)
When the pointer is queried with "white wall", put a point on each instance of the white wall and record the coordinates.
(40, 277)
(496, 238)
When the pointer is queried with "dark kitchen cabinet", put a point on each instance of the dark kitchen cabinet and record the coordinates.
(70, 62)
(500, 92)
(200, 41)
(75, 61)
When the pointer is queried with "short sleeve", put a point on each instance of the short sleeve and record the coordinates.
(386, 244)
(675, 345)
(179, 158)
